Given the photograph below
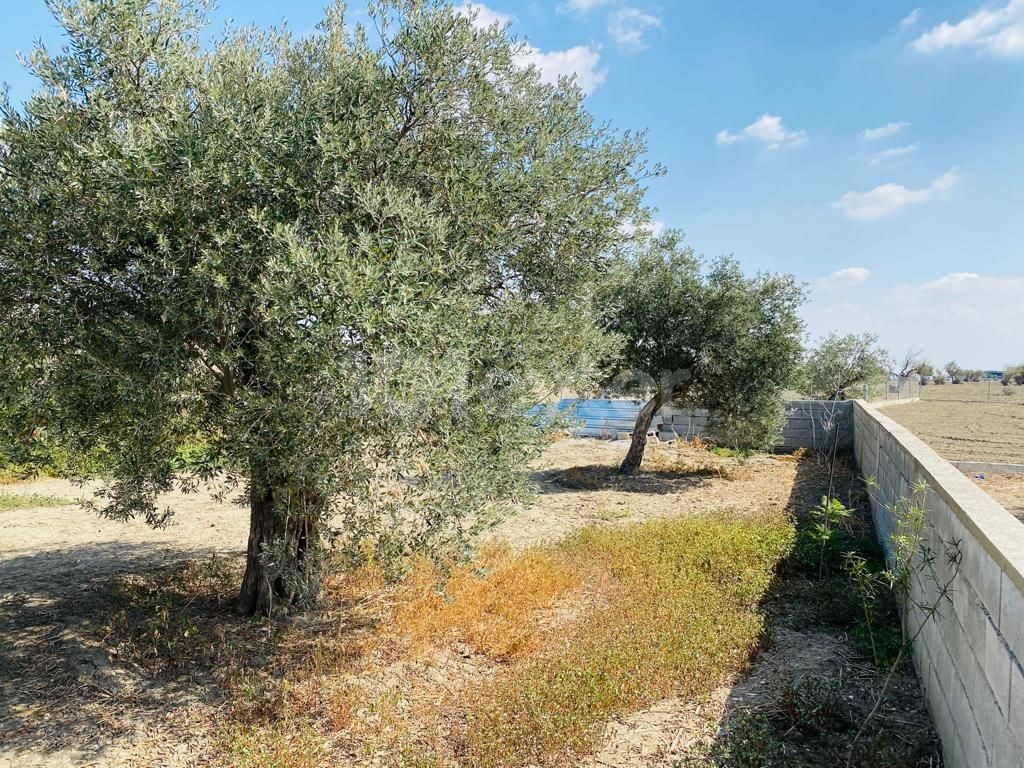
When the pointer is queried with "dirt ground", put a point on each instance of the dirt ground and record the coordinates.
(967, 431)
(66, 699)
(976, 391)
(1008, 490)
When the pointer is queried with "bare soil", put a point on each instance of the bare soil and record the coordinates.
(967, 431)
(973, 391)
(1008, 490)
(68, 699)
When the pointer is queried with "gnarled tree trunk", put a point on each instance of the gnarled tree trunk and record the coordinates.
(290, 535)
(635, 455)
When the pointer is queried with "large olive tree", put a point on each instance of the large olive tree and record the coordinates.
(349, 262)
(705, 335)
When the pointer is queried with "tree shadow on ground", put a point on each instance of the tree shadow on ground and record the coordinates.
(73, 629)
(593, 477)
(813, 680)
(144, 640)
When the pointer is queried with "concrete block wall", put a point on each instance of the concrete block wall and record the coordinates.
(971, 659)
(686, 423)
(808, 424)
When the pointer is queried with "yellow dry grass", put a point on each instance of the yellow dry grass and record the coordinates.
(494, 604)
(685, 617)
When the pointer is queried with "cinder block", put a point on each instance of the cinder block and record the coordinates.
(1015, 715)
(1007, 752)
(1011, 617)
(990, 717)
(953, 755)
(984, 574)
(996, 661)
(967, 727)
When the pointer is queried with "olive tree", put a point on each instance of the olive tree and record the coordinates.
(913, 362)
(840, 363)
(704, 334)
(349, 261)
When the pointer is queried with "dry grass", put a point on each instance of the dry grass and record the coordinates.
(973, 391)
(10, 501)
(539, 648)
(494, 604)
(685, 617)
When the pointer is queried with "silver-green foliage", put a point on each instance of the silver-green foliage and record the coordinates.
(350, 261)
(838, 365)
(705, 334)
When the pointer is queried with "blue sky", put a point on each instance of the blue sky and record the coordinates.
(873, 149)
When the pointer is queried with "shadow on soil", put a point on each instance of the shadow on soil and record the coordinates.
(815, 678)
(593, 477)
(64, 680)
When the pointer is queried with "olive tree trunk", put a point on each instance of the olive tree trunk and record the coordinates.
(269, 584)
(635, 455)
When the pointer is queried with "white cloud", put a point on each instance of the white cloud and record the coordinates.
(847, 276)
(895, 153)
(887, 199)
(999, 32)
(629, 26)
(585, 5)
(910, 19)
(581, 61)
(953, 281)
(883, 132)
(769, 130)
(482, 16)
(970, 317)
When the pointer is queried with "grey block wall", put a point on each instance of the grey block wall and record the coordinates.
(808, 424)
(971, 659)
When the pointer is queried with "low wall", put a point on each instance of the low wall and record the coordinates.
(988, 468)
(808, 424)
(971, 658)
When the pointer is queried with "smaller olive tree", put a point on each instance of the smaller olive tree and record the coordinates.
(840, 363)
(707, 335)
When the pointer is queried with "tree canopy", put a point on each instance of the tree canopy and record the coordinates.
(839, 364)
(350, 261)
(705, 334)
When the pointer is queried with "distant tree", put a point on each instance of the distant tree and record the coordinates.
(707, 335)
(925, 370)
(954, 371)
(840, 363)
(350, 265)
(910, 364)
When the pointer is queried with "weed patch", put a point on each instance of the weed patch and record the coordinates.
(685, 616)
(9, 501)
(171, 622)
(493, 604)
